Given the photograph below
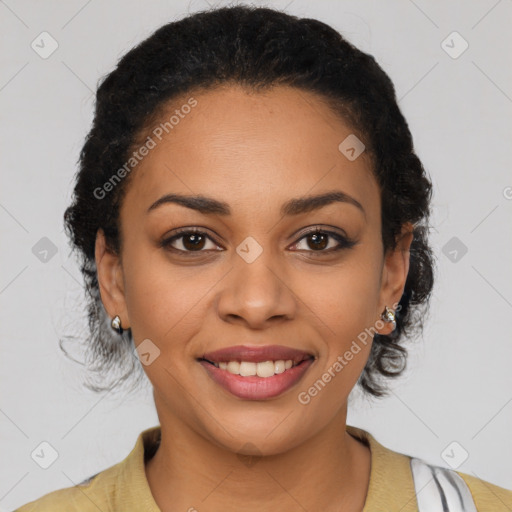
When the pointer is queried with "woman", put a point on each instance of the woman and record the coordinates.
(252, 219)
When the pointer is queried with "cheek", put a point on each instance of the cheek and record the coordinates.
(346, 299)
(164, 302)
(344, 304)
(346, 345)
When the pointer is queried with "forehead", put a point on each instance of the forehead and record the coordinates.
(242, 146)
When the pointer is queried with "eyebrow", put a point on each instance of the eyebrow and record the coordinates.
(296, 206)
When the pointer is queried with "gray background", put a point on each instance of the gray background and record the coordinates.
(459, 384)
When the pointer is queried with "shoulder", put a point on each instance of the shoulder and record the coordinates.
(447, 489)
(90, 495)
(120, 487)
(488, 496)
(399, 481)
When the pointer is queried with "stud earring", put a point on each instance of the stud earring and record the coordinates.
(388, 315)
(116, 325)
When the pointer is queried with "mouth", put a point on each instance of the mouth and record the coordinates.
(263, 369)
(257, 373)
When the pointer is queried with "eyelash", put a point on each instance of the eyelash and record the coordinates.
(344, 243)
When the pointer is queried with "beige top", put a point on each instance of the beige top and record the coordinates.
(124, 486)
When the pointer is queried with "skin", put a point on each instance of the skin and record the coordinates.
(253, 151)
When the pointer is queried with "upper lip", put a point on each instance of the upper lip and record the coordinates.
(257, 354)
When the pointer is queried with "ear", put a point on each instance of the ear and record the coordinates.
(110, 280)
(394, 273)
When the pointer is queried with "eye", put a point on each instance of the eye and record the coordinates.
(189, 240)
(319, 240)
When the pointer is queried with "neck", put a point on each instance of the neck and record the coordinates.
(328, 472)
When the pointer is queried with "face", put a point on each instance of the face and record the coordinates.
(257, 269)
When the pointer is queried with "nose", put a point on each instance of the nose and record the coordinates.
(256, 294)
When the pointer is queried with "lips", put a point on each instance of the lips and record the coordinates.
(256, 387)
(257, 354)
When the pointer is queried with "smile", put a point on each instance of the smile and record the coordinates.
(244, 372)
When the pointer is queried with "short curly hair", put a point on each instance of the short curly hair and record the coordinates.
(259, 48)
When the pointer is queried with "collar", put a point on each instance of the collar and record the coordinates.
(391, 486)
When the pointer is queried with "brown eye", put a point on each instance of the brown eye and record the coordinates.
(189, 240)
(318, 240)
(193, 241)
(322, 241)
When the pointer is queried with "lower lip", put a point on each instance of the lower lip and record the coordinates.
(254, 387)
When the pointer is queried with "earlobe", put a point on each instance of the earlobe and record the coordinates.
(110, 279)
(396, 268)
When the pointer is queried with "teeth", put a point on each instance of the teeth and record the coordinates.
(248, 369)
